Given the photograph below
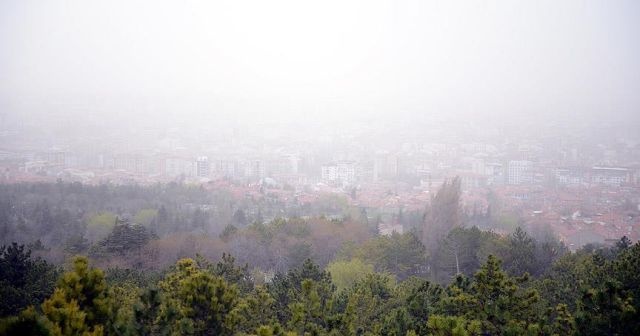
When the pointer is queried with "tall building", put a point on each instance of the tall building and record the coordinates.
(56, 157)
(385, 166)
(228, 168)
(495, 173)
(257, 169)
(611, 176)
(339, 172)
(202, 166)
(520, 172)
(569, 176)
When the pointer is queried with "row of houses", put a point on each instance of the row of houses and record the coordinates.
(610, 176)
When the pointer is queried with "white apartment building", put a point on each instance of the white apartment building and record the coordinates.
(203, 168)
(520, 172)
(611, 176)
(339, 172)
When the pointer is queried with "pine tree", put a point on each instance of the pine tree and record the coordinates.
(28, 322)
(308, 311)
(24, 280)
(146, 313)
(67, 317)
(197, 302)
(564, 323)
(521, 256)
(606, 311)
(88, 288)
(495, 300)
(421, 301)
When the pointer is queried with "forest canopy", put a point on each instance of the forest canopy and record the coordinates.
(189, 261)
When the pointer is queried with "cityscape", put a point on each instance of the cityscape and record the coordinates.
(582, 187)
(319, 168)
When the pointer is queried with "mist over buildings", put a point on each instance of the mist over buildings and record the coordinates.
(89, 65)
(327, 151)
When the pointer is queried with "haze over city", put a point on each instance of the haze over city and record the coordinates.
(294, 167)
(142, 64)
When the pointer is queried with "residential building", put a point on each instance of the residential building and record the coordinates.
(343, 172)
(203, 168)
(611, 176)
(520, 172)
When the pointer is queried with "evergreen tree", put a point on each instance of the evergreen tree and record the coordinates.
(197, 302)
(286, 288)
(422, 299)
(88, 288)
(605, 311)
(308, 311)
(256, 310)
(79, 304)
(67, 317)
(28, 322)
(564, 323)
(24, 280)
(146, 313)
(521, 256)
(495, 300)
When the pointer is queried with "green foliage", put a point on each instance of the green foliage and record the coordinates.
(606, 311)
(99, 225)
(122, 300)
(123, 276)
(88, 288)
(564, 281)
(124, 237)
(197, 302)
(396, 323)
(28, 322)
(24, 280)
(400, 254)
(145, 217)
(287, 288)
(229, 271)
(624, 270)
(439, 325)
(146, 314)
(462, 252)
(79, 305)
(421, 299)
(494, 299)
(204, 298)
(308, 311)
(345, 273)
(367, 303)
(521, 256)
(67, 317)
(564, 323)
(257, 310)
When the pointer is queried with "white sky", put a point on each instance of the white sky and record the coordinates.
(333, 59)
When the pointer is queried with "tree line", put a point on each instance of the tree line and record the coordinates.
(290, 275)
(593, 291)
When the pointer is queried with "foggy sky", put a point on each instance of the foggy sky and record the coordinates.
(319, 60)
